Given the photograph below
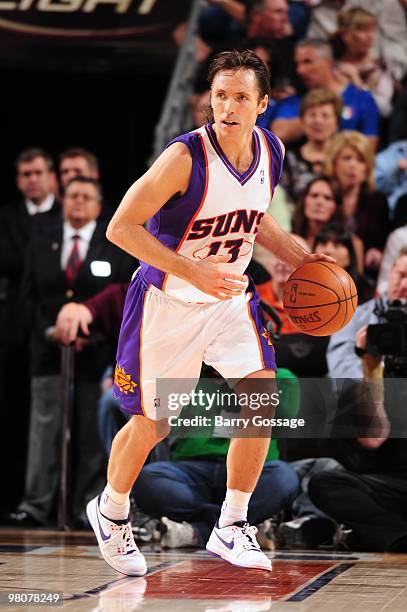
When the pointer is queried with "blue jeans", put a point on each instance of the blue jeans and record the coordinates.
(193, 491)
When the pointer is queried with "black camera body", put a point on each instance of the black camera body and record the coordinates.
(390, 337)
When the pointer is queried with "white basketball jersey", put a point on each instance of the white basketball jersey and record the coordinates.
(221, 210)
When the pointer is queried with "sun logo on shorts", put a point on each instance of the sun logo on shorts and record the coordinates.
(266, 334)
(123, 381)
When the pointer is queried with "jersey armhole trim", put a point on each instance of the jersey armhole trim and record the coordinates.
(199, 207)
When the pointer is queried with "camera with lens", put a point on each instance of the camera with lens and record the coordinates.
(389, 337)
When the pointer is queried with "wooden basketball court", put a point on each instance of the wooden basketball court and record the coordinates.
(36, 562)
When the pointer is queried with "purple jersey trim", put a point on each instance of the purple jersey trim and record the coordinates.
(242, 178)
(276, 156)
(170, 223)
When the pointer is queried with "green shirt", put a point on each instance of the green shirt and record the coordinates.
(210, 446)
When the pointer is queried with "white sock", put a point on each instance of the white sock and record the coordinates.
(114, 505)
(234, 508)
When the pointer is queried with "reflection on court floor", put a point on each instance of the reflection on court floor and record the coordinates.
(69, 563)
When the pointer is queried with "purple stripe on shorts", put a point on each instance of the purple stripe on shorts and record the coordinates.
(269, 356)
(127, 373)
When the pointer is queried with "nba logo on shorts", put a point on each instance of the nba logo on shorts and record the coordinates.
(262, 176)
(157, 402)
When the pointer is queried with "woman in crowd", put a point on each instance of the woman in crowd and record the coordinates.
(320, 204)
(350, 162)
(335, 240)
(320, 113)
(353, 48)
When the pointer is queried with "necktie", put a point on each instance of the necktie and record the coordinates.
(74, 262)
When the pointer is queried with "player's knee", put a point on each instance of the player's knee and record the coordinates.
(146, 431)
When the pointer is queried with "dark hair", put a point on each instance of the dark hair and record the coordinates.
(29, 154)
(300, 221)
(241, 60)
(85, 180)
(338, 234)
(79, 152)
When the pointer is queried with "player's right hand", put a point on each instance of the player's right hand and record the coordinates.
(211, 275)
(71, 318)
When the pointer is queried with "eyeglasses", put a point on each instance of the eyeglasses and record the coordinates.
(83, 196)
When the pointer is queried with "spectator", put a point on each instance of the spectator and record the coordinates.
(396, 241)
(104, 312)
(222, 20)
(69, 258)
(333, 239)
(319, 204)
(391, 172)
(320, 112)
(350, 161)
(369, 493)
(36, 183)
(391, 38)
(391, 35)
(353, 45)
(77, 162)
(341, 354)
(315, 68)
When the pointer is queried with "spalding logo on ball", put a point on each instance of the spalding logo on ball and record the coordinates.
(320, 298)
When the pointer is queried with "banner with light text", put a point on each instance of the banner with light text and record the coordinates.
(89, 35)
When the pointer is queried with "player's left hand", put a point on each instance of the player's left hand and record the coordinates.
(313, 257)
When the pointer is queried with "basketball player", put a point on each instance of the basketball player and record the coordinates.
(189, 302)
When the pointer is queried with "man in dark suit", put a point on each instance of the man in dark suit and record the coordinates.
(36, 182)
(69, 259)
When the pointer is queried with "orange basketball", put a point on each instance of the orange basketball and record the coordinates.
(320, 298)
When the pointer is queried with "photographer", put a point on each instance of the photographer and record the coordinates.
(343, 362)
(369, 493)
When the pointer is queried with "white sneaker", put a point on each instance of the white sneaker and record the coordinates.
(237, 544)
(177, 535)
(116, 542)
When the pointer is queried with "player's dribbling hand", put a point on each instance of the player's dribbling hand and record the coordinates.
(71, 318)
(212, 276)
(313, 257)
